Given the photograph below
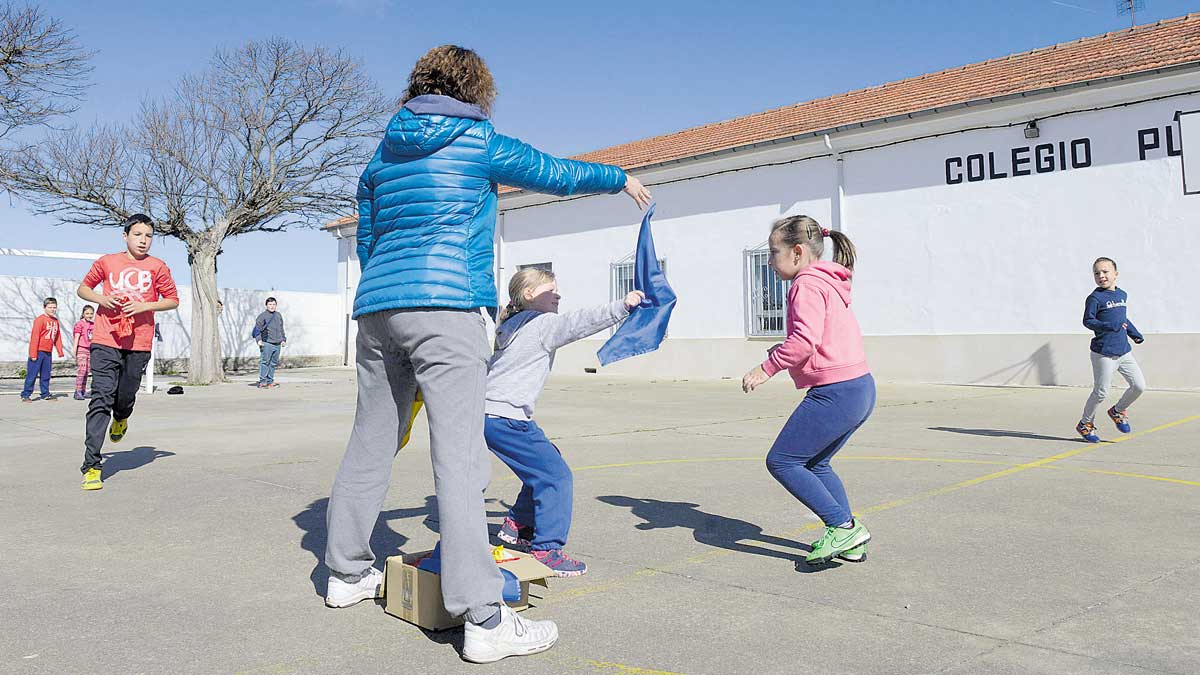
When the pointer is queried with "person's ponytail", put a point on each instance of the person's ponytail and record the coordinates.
(843, 249)
(506, 313)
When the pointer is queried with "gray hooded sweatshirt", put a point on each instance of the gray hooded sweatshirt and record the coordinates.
(525, 346)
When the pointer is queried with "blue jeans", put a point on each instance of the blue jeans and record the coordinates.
(268, 359)
(819, 427)
(547, 491)
(34, 368)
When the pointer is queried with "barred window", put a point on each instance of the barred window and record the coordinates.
(544, 266)
(621, 276)
(766, 295)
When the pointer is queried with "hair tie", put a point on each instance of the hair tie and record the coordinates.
(824, 231)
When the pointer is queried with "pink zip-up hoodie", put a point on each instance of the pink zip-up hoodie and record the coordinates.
(824, 343)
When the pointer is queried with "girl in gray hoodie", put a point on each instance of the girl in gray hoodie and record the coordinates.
(528, 332)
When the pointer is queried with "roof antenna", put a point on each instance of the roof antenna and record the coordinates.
(1130, 7)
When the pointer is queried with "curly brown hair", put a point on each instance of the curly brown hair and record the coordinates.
(452, 71)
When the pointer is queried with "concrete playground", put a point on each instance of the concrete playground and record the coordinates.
(1002, 543)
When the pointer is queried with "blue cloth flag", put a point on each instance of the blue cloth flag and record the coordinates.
(643, 331)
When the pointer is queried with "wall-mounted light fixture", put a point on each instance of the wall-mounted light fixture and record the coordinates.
(1031, 130)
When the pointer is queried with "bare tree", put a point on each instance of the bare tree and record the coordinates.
(270, 136)
(43, 70)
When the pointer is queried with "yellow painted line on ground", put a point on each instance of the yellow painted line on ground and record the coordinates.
(575, 664)
(628, 670)
(602, 587)
(890, 458)
(1123, 474)
(895, 503)
(651, 462)
(1029, 465)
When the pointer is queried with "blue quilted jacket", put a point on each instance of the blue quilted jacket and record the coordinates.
(427, 204)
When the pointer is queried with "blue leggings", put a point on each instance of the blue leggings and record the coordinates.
(819, 427)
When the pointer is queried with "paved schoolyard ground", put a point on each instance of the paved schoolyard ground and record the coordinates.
(1002, 544)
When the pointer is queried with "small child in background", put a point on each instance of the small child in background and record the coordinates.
(45, 337)
(528, 332)
(1105, 313)
(82, 334)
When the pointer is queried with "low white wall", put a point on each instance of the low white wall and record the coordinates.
(1168, 359)
(312, 321)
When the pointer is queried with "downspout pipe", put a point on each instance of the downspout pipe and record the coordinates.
(838, 208)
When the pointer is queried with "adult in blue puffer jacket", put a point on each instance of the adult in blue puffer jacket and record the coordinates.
(427, 215)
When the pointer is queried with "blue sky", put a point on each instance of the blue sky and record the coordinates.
(573, 77)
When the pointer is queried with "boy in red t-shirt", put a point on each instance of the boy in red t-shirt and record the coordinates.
(46, 336)
(136, 285)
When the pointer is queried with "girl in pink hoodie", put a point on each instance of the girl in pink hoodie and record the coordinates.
(824, 352)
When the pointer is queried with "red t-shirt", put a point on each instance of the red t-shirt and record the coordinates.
(145, 280)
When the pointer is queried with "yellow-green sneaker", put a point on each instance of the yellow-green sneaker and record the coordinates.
(838, 540)
(91, 479)
(117, 431)
(855, 555)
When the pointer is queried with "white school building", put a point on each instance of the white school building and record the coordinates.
(977, 197)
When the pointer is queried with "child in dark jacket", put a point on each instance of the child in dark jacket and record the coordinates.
(1105, 313)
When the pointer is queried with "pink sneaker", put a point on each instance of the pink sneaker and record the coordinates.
(563, 566)
(514, 533)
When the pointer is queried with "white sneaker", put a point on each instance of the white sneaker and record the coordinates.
(342, 594)
(513, 637)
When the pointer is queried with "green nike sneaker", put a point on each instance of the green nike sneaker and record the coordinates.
(838, 540)
(855, 555)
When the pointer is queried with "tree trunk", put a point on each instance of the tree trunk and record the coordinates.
(205, 365)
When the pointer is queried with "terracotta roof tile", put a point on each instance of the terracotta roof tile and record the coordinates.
(1169, 42)
(1166, 43)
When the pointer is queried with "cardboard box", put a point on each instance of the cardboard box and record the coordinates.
(415, 595)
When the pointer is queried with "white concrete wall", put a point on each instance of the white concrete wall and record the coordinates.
(938, 262)
(978, 281)
(311, 320)
(701, 229)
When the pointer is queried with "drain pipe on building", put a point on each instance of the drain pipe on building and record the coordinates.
(838, 211)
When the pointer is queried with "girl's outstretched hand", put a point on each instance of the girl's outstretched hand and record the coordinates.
(633, 299)
(752, 379)
(637, 191)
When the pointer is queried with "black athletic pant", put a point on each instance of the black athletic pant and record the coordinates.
(116, 377)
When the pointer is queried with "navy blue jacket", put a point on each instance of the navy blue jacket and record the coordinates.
(427, 204)
(1105, 314)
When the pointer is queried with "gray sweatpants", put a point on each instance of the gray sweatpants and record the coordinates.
(445, 353)
(1103, 368)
